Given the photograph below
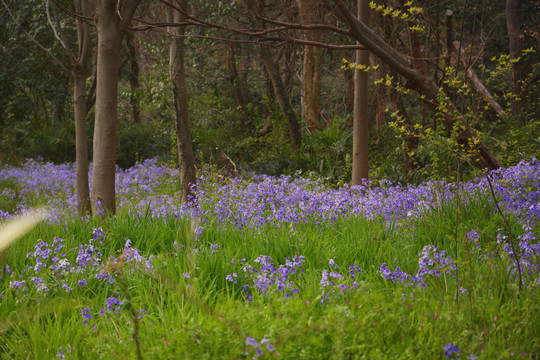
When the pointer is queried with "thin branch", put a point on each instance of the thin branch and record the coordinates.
(257, 33)
(476, 81)
(62, 66)
(261, 33)
(87, 19)
(127, 12)
(59, 36)
(304, 27)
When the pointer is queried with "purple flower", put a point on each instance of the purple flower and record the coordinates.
(39, 284)
(111, 301)
(99, 235)
(252, 342)
(60, 354)
(473, 235)
(86, 315)
(450, 349)
(232, 277)
(17, 285)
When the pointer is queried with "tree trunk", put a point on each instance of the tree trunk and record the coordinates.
(133, 80)
(514, 42)
(186, 159)
(111, 27)
(281, 96)
(280, 92)
(348, 77)
(80, 74)
(360, 161)
(81, 147)
(312, 69)
(411, 139)
(482, 157)
(378, 76)
(271, 98)
(239, 90)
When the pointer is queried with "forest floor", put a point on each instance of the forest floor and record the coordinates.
(273, 267)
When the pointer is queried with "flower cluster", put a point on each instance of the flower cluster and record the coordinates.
(432, 262)
(266, 277)
(334, 283)
(50, 268)
(254, 344)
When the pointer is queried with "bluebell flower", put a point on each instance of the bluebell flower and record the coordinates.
(451, 349)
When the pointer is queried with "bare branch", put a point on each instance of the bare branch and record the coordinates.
(304, 27)
(127, 11)
(73, 14)
(476, 81)
(58, 34)
(54, 58)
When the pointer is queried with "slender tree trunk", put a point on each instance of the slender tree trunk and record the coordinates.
(186, 159)
(81, 147)
(411, 139)
(59, 111)
(360, 165)
(312, 69)
(239, 90)
(448, 24)
(348, 77)
(111, 27)
(514, 42)
(281, 96)
(133, 79)
(280, 93)
(378, 76)
(271, 98)
(79, 70)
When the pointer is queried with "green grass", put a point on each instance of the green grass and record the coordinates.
(211, 318)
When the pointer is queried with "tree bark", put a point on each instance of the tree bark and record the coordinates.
(239, 90)
(380, 113)
(270, 94)
(514, 43)
(133, 79)
(360, 161)
(81, 147)
(411, 139)
(280, 93)
(111, 24)
(416, 81)
(312, 69)
(348, 77)
(281, 96)
(79, 73)
(184, 147)
(448, 24)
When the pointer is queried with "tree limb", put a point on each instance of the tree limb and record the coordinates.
(54, 58)
(477, 83)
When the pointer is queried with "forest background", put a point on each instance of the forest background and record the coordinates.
(237, 121)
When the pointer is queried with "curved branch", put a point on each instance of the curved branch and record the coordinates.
(58, 34)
